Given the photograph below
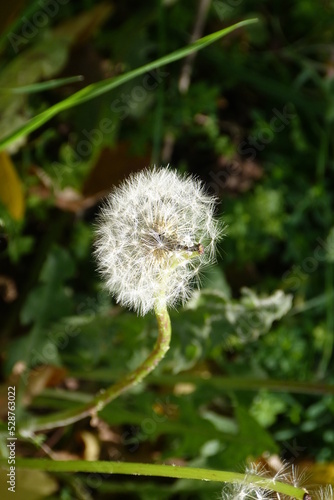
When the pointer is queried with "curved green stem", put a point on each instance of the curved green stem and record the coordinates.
(153, 470)
(105, 396)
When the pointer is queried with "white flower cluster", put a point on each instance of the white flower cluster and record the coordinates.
(154, 234)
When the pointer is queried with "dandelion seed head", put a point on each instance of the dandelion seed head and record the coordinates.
(155, 233)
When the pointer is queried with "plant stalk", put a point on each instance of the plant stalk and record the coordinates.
(153, 470)
(106, 395)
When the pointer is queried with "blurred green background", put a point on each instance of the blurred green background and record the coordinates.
(250, 373)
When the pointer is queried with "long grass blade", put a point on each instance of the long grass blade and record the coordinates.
(96, 89)
(41, 86)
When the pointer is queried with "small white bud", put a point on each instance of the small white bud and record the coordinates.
(154, 233)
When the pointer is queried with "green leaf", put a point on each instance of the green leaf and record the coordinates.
(231, 322)
(47, 302)
(40, 87)
(266, 407)
(96, 89)
(250, 443)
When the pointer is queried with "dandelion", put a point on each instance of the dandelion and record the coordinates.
(155, 233)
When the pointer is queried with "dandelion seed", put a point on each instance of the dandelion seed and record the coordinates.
(245, 491)
(155, 232)
(324, 493)
(252, 489)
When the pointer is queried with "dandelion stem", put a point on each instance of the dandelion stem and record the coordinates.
(153, 470)
(105, 396)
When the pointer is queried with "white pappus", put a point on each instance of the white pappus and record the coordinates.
(154, 234)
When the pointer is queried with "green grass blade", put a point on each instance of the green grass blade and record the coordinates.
(96, 89)
(157, 470)
(40, 87)
(99, 88)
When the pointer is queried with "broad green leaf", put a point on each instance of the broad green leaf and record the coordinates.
(266, 407)
(96, 89)
(49, 300)
(44, 304)
(243, 320)
(250, 443)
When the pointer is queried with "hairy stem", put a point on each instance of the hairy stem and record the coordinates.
(153, 470)
(105, 396)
